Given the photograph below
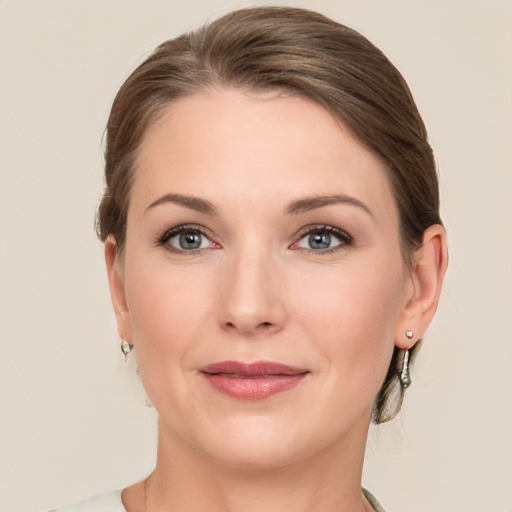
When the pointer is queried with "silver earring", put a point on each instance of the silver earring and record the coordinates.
(405, 376)
(126, 348)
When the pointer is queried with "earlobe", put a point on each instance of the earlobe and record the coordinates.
(425, 282)
(117, 289)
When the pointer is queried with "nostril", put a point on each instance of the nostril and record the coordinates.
(264, 326)
(260, 327)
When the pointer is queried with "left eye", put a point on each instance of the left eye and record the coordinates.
(322, 239)
(189, 240)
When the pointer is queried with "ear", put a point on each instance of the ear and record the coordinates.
(115, 273)
(423, 287)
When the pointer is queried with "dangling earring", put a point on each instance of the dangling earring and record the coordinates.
(126, 348)
(405, 377)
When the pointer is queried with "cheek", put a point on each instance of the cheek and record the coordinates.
(352, 316)
(167, 311)
(166, 308)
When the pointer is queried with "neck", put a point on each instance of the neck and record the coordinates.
(188, 479)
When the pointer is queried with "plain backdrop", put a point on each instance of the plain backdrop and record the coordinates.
(73, 420)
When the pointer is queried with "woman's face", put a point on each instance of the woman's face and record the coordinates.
(262, 285)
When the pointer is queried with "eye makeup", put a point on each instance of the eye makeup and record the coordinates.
(318, 239)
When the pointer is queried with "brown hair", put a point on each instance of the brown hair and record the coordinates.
(303, 53)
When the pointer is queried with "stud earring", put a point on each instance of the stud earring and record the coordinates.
(409, 334)
(126, 348)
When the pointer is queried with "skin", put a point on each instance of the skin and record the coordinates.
(256, 290)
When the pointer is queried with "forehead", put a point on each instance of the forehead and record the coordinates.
(231, 144)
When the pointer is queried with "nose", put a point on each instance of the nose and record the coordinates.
(252, 298)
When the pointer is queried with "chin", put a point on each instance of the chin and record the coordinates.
(249, 442)
(267, 442)
(258, 452)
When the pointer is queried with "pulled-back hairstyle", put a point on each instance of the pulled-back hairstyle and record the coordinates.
(302, 53)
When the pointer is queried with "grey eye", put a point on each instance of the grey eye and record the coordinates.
(322, 239)
(319, 240)
(189, 241)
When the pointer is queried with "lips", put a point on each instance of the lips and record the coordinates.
(252, 381)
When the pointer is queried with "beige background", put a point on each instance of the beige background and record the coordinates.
(72, 417)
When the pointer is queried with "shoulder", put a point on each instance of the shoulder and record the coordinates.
(110, 502)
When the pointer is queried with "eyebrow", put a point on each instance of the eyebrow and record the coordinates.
(312, 203)
(294, 208)
(194, 203)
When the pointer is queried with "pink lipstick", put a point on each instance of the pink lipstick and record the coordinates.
(252, 381)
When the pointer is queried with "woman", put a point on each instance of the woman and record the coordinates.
(275, 253)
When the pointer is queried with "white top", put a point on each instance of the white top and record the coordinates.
(111, 502)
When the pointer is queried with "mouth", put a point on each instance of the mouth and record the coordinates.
(252, 381)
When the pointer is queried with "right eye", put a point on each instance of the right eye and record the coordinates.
(185, 239)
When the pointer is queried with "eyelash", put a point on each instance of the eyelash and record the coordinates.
(346, 240)
(185, 228)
